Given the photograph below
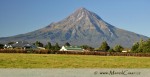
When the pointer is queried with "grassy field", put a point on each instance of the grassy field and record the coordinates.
(71, 61)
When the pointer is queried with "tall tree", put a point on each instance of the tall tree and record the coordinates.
(86, 47)
(146, 46)
(104, 46)
(48, 46)
(57, 47)
(67, 44)
(1, 46)
(38, 44)
(141, 44)
(118, 48)
(135, 47)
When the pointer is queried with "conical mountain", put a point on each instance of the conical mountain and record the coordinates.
(83, 27)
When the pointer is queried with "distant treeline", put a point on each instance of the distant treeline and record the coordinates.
(139, 47)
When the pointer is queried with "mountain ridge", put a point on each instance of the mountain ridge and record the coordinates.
(81, 27)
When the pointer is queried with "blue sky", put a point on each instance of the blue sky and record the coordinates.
(22, 16)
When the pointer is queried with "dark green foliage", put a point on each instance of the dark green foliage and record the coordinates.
(11, 43)
(86, 47)
(135, 47)
(48, 46)
(111, 50)
(146, 46)
(118, 48)
(38, 44)
(1, 46)
(104, 46)
(141, 46)
(56, 47)
(67, 44)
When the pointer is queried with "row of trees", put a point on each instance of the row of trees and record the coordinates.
(48, 46)
(141, 46)
(105, 47)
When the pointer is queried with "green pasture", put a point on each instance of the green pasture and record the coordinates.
(9, 60)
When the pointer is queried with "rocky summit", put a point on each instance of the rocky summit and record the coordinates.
(82, 27)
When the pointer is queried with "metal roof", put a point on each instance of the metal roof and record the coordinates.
(73, 48)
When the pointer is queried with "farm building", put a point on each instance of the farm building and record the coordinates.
(19, 45)
(71, 48)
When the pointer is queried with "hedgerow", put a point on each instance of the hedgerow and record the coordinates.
(74, 52)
